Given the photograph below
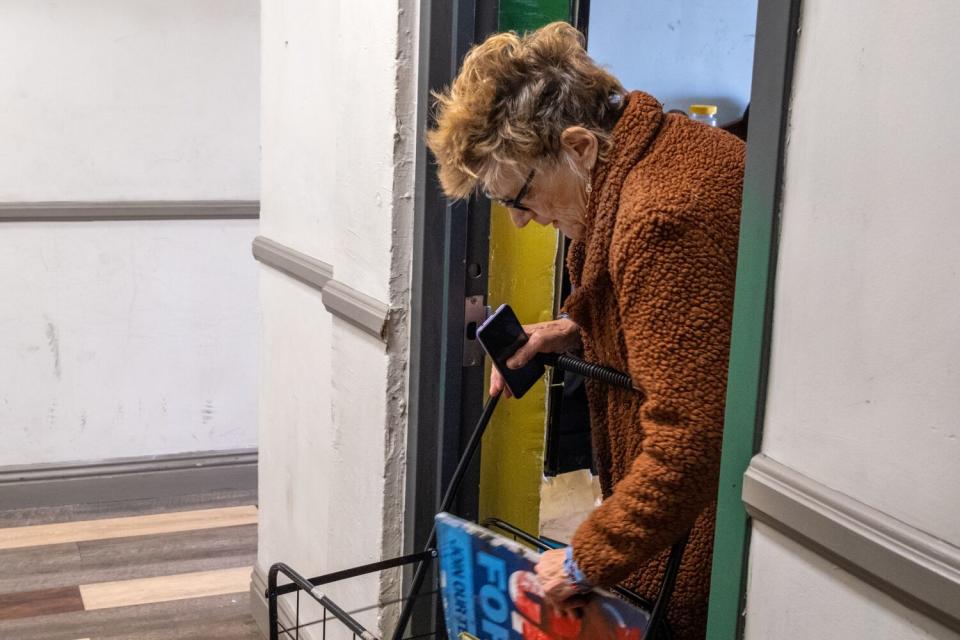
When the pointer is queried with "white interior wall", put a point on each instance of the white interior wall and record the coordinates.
(322, 412)
(137, 337)
(329, 137)
(863, 372)
(336, 184)
(128, 100)
(123, 339)
(682, 52)
(796, 594)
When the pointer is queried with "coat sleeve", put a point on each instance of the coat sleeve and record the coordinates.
(674, 288)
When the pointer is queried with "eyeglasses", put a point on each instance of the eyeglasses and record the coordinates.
(516, 201)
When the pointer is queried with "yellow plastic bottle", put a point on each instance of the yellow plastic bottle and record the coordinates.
(705, 113)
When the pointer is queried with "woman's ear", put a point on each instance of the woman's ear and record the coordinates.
(582, 144)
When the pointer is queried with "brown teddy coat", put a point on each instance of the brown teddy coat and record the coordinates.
(654, 279)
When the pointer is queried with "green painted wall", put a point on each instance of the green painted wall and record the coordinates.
(527, 15)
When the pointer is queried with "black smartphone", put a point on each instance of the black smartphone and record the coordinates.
(501, 335)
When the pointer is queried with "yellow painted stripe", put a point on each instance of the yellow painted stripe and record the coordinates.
(126, 593)
(44, 534)
(522, 275)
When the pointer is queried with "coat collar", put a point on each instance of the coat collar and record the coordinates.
(632, 137)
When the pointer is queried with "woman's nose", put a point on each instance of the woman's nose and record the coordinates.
(520, 218)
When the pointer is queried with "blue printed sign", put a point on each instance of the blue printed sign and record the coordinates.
(490, 592)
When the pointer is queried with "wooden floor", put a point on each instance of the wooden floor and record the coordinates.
(175, 569)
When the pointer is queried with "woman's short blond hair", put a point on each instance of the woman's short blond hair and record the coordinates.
(513, 99)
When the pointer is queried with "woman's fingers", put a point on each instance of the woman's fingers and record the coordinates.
(523, 355)
(497, 384)
(556, 585)
(554, 336)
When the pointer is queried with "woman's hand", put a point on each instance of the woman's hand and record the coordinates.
(555, 336)
(558, 587)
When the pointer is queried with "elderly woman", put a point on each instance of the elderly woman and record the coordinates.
(651, 202)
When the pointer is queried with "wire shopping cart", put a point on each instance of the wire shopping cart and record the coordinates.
(286, 623)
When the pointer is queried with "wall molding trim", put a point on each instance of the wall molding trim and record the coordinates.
(343, 301)
(130, 210)
(359, 309)
(914, 567)
(44, 485)
(308, 270)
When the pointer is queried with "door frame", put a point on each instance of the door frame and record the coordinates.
(451, 241)
(776, 39)
(450, 255)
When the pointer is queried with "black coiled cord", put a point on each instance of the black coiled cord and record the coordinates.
(587, 369)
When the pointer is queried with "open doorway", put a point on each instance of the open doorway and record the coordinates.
(686, 52)
(681, 52)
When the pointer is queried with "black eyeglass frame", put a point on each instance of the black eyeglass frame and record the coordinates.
(517, 201)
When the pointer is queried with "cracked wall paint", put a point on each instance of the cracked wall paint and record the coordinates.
(54, 343)
(398, 323)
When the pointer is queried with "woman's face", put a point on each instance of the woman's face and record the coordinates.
(556, 194)
(556, 197)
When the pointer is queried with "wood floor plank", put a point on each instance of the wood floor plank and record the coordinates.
(60, 533)
(121, 508)
(214, 618)
(125, 593)
(171, 554)
(27, 604)
(126, 558)
(31, 569)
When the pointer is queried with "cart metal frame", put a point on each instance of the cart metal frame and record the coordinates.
(423, 560)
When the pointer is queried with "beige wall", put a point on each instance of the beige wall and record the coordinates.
(864, 365)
